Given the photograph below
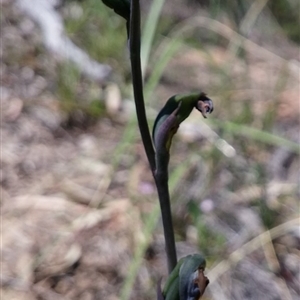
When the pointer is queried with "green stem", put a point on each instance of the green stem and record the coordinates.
(161, 181)
(137, 81)
(161, 177)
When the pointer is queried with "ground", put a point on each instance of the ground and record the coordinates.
(79, 214)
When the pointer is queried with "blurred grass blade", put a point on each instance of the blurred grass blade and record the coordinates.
(247, 248)
(167, 54)
(257, 134)
(149, 227)
(148, 32)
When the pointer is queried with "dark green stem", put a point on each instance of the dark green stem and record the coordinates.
(161, 173)
(161, 180)
(137, 81)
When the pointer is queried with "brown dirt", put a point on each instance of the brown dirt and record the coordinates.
(71, 221)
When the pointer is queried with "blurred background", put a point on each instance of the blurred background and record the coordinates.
(79, 209)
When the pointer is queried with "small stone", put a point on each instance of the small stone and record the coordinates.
(27, 74)
(14, 109)
(113, 99)
(207, 205)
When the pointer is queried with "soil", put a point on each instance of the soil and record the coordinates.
(71, 210)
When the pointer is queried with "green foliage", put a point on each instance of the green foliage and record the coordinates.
(210, 243)
(287, 14)
(101, 33)
(236, 9)
(67, 86)
(79, 106)
(92, 31)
